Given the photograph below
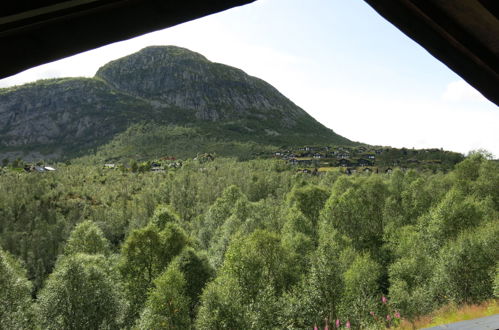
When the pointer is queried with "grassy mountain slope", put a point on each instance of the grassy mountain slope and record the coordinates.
(165, 89)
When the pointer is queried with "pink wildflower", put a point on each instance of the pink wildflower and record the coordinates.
(315, 327)
(388, 317)
(397, 315)
(347, 325)
(372, 313)
(338, 323)
(384, 300)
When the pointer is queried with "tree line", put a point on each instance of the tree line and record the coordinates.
(248, 245)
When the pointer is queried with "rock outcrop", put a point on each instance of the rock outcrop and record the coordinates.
(166, 85)
(177, 77)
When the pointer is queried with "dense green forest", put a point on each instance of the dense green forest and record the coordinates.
(228, 244)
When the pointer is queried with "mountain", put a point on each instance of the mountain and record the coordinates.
(160, 100)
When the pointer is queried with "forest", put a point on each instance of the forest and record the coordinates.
(228, 244)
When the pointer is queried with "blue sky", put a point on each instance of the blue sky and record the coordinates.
(338, 60)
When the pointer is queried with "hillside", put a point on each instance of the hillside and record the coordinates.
(166, 89)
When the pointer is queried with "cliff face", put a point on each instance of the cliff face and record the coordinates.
(55, 110)
(165, 85)
(173, 76)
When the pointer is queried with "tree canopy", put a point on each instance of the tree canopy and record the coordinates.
(243, 245)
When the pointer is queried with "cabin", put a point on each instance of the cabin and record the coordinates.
(344, 162)
(39, 169)
(304, 161)
(364, 162)
(156, 167)
(206, 157)
(350, 171)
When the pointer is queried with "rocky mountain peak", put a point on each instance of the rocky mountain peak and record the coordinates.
(176, 77)
(153, 57)
(166, 85)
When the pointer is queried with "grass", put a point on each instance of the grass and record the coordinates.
(452, 313)
(327, 169)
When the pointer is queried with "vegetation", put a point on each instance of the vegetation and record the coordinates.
(160, 100)
(452, 313)
(365, 158)
(243, 244)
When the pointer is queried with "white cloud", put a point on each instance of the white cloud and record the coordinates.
(460, 90)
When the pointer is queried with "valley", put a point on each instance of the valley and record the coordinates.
(171, 192)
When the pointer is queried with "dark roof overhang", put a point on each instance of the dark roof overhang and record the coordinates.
(34, 32)
(463, 34)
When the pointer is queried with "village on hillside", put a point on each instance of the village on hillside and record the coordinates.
(306, 159)
(367, 159)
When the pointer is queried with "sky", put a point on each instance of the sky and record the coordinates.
(338, 60)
